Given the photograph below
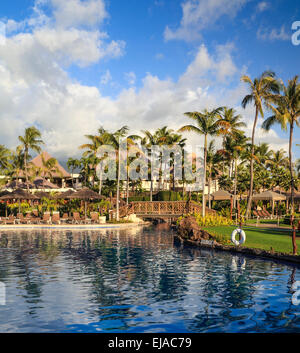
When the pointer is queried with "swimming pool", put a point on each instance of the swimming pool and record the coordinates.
(137, 280)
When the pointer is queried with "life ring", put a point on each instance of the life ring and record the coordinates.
(241, 233)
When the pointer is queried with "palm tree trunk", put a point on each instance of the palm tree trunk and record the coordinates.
(151, 189)
(292, 184)
(251, 166)
(204, 176)
(235, 183)
(118, 188)
(291, 166)
(25, 167)
(127, 190)
(209, 199)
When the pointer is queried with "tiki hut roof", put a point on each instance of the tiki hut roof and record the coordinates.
(269, 195)
(19, 194)
(44, 184)
(14, 184)
(37, 161)
(221, 195)
(64, 195)
(85, 194)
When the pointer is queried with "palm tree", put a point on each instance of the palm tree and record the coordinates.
(73, 164)
(261, 92)
(30, 141)
(230, 124)
(235, 148)
(287, 112)
(5, 155)
(163, 137)
(206, 124)
(148, 141)
(16, 164)
(278, 159)
(213, 166)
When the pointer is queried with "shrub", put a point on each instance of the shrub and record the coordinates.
(212, 220)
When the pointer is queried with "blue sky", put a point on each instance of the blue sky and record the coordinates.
(72, 66)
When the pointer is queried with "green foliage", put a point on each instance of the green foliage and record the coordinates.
(212, 220)
(167, 196)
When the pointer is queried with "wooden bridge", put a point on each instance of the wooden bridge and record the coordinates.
(160, 209)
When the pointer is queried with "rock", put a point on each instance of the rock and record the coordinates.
(188, 228)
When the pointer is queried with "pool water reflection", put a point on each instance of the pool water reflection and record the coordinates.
(137, 280)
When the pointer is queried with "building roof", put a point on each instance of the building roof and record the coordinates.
(37, 161)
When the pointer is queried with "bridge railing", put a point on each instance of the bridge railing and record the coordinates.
(167, 208)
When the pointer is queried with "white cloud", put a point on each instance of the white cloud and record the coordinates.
(130, 77)
(159, 56)
(201, 14)
(74, 13)
(106, 78)
(273, 34)
(262, 6)
(35, 89)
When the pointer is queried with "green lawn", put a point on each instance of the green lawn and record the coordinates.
(260, 238)
(269, 221)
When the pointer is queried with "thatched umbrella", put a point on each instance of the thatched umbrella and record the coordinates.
(221, 195)
(19, 195)
(269, 196)
(85, 194)
(42, 194)
(64, 195)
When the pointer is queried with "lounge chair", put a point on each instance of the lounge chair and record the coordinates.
(46, 218)
(22, 219)
(76, 218)
(94, 217)
(55, 218)
(255, 214)
(65, 218)
(10, 220)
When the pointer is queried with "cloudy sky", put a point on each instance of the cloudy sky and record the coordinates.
(69, 67)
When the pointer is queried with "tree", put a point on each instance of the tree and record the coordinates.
(213, 161)
(30, 141)
(260, 94)
(206, 124)
(286, 109)
(5, 155)
(73, 164)
(230, 124)
(235, 147)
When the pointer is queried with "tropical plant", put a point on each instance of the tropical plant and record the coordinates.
(206, 124)
(261, 91)
(30, 141)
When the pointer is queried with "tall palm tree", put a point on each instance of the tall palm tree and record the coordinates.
(213, 161)
(73, 164)
(286, 111)
(5, 155)
(230, 124)
(163, 137)
(16, 164)
(235, 147)
(207, 125)
(30, 141)
(261, 90)
(148, 141)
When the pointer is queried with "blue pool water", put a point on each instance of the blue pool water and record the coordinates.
(137, 280)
